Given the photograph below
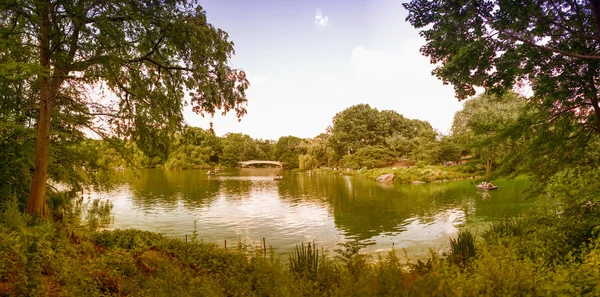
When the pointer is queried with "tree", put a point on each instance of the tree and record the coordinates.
(482, 123)
(369, 157)
(288, 150)
(318, 147)
(266, 149)
(552, 46)
(448, 150)
(354, 128)
(307, 162)
(238, 147)
(194, 148)
(148, 54)
(361, 126)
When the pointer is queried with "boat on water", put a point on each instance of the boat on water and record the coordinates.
(278, 177)
(210, 172)
(487, 187)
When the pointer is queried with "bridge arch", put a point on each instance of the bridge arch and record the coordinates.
(252, 162)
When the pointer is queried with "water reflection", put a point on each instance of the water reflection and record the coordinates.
(364, 209)
(248, 205)
(168, 189)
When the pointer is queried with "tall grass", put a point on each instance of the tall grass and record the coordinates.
(508, 227)
(305, 260)
(462, 249)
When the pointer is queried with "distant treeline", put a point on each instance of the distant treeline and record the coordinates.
(360, 137)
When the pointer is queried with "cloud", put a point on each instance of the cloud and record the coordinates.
(401, 80)
(320, 19)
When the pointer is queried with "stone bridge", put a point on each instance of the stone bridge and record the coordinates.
(252, 162)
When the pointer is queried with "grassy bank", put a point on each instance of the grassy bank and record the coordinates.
(418, 173)
(541, 253)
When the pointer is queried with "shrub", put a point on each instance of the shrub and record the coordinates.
(462, 249)
(305, 261)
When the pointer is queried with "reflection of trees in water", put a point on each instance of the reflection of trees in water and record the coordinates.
(508, 201)
(360, 207)
(365, 209)
(167, 188)
(238, 184)
(236, 188)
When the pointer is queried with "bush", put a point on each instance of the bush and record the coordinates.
(305, 261)
(462, 249)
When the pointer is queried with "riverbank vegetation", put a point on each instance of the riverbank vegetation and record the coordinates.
(543, 252)
(53, 53)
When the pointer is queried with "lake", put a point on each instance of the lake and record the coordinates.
(246, 205)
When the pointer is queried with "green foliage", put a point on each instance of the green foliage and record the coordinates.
(42, 258)
(307, 162)
(480, 127)
(462, 249)
(505, 228)
(503, 45)
(11, 216)
(16, 161)
(98, 214)
(420, 172)
(288, 150)
(576, 186)
(471, 39)
(368, 157)
(448, 150)
(349, 254)
(239, 147)
(361, 126)
(190, 157)
(75, 162)
(126, 239)
(304, 261)
(319, 148)
(153, 58)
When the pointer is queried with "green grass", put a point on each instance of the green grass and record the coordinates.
(406, 175)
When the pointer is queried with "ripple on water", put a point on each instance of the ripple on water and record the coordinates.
(249, 205)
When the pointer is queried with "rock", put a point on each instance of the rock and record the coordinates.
(386, 178)
(418, 182)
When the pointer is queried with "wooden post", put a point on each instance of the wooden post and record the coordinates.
(186, 238)
(265, 247)
(225, 243)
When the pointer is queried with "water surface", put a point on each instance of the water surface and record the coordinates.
(247, 205)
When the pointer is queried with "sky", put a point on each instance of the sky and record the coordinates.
(308, 60)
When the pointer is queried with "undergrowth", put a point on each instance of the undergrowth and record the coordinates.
(546, 252)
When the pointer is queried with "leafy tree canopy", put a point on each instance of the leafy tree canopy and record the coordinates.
(129, 66)
(361, 126)
(553, 46)
(481, 126)
(288, 150)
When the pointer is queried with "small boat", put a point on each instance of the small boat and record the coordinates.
(487, 188)
(210, 172)
(278, 177)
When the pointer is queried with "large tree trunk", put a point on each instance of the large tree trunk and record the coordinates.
(596, 11)
(596, 113)
(36, 204)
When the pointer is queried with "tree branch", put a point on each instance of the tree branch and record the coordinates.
(554, 50)
(564, 27)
